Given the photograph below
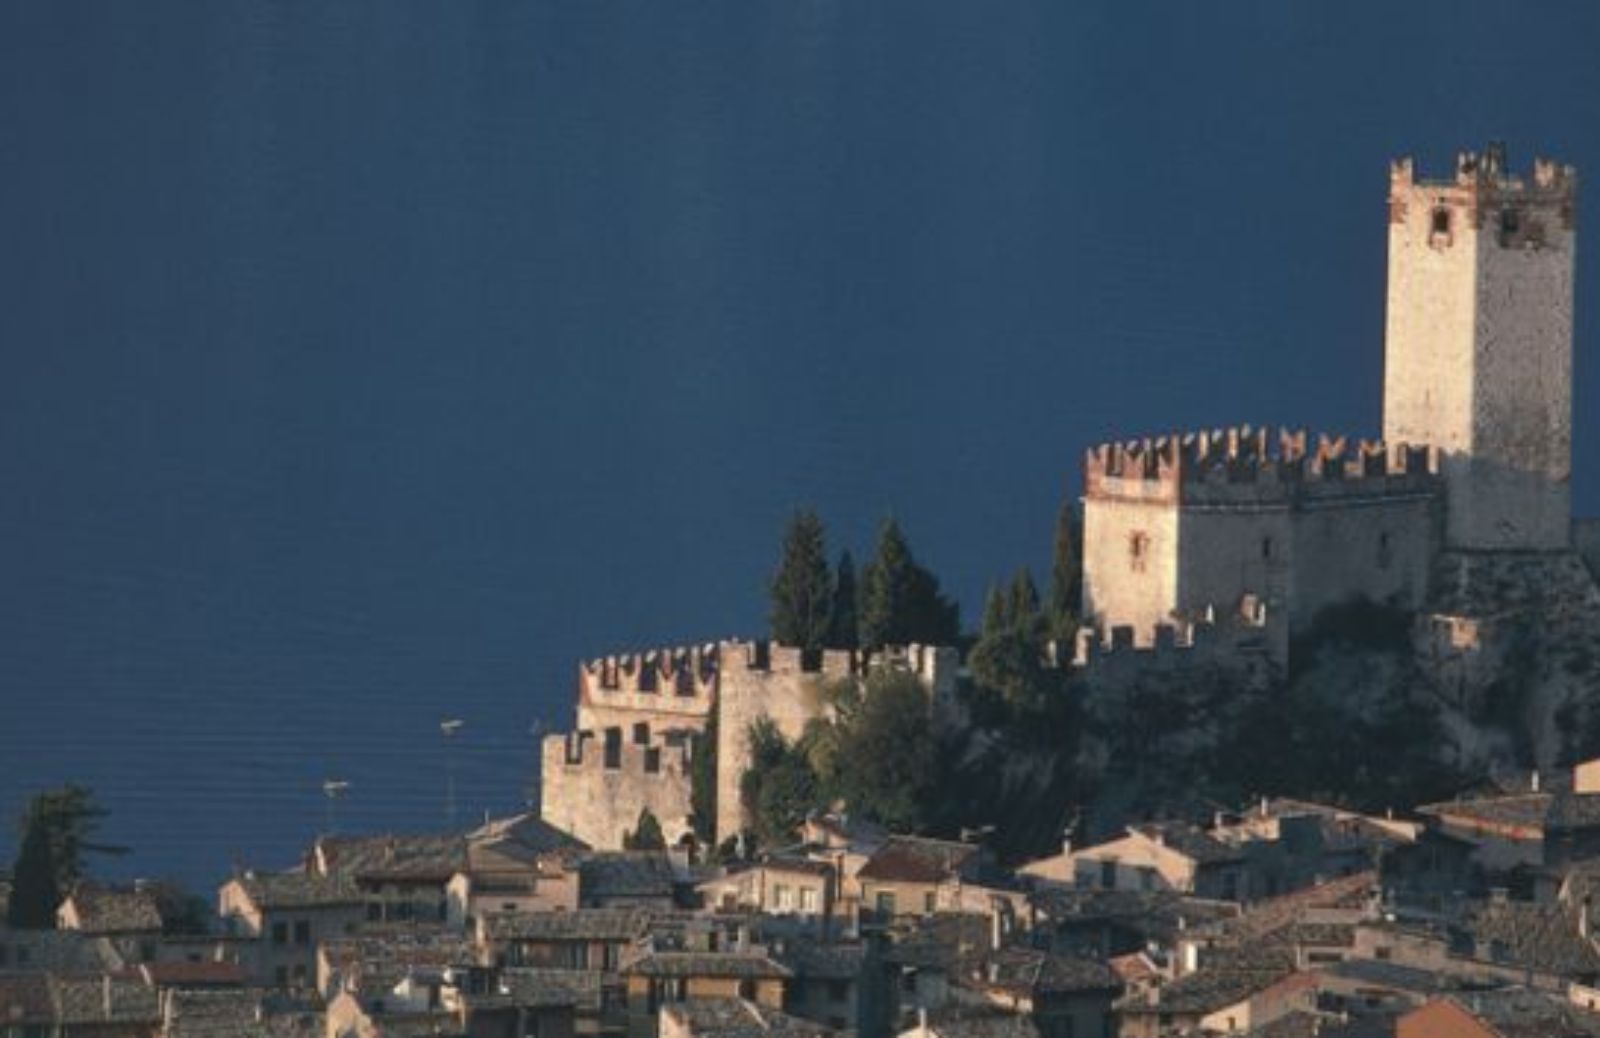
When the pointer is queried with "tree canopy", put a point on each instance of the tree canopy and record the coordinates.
(58, 828)
(900, 601)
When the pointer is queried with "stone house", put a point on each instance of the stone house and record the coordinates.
(1508, 1013)
(1216, 1002)
(776, 885)
(1174, 857)
(629, 879)
(914, 875)
(832, 983)
(1537, 829)
(657, 979)
(94, 909)
(284, 916)
(583, 939)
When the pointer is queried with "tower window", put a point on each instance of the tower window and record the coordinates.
(1266, 547)
(1441, 220)
(1138, 550)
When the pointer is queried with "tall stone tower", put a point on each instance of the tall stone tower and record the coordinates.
(1479, 343)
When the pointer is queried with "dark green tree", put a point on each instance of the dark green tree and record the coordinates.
(844, 632)
(1066, 576)
(885, 765)
(802, 588)
(900, 600)
(646, 835)
(780, 788)
(58, 830)
(1009, 659)
(703, 782)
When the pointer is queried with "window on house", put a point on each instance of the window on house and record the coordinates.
(781, 897)
(1108, 874)
(652, 760)
(299, 974)
(747, 988)
(808, 899)
(281, 974)
(928, 902)
(302, 932)
(885, 902)
(641, 733)
(609, 956)
(374, 911)
(613, 759)
(280, 933)
(1441, 220)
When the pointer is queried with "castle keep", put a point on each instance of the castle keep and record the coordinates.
(1476, 455)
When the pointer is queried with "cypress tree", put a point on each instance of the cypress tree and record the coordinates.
(900, 601)
(802, 588)
(996, 612)
(1066, 576)
(843, 632)
(34, 894)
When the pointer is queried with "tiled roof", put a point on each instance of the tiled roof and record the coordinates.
(1545, 811)
(814, 960)
(1030, 972)
(738, 1018)
(103, 999)
(583, 924)
(1205, 991)
(280, 890)
(551, 988)
(214, 1014)
(938, 941)
(1191, 841)
(529, 831)
(914, 859)
(1539, 937)
(980, 1022)
(1268, 917)
(192, 974)
(373, 963)
(626, 874)
(430, 857)
(106, 910)
(1520, 1013)
(743, 965)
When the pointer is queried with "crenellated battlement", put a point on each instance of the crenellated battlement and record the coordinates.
(614, 750)
(1243, 630)
(684, 671)
(1176, 466)
(1482, 182)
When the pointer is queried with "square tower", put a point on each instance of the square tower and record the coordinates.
(1478, 353)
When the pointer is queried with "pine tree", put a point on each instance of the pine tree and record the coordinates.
(996, 612)
(843, 629)
(900, 601)
(1066, 577)
(802, 589)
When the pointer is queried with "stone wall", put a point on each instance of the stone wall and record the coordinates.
(1176, 525)
(1586, 541)
(1479, 343)
(597, 794)
(761, 680)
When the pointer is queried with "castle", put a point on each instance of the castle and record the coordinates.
(1216, 547)
(1477, 448)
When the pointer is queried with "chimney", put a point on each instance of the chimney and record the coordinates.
(105, 993)
(1535, 781)
(922, 1019)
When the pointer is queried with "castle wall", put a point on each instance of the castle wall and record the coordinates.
(1380, 548)
(1130, 560)
(1586, 540)
(666, 689)
(599, 803)
(772, 681)
(1228, 552)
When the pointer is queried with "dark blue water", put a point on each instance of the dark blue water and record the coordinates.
(363, 365)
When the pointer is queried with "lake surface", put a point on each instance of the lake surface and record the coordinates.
(363, 367)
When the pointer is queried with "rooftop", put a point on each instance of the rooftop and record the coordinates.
(916, 859)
